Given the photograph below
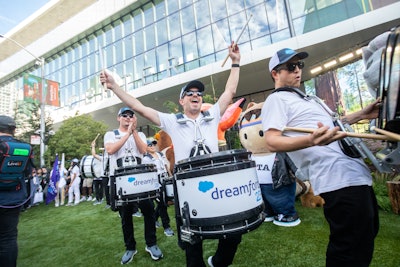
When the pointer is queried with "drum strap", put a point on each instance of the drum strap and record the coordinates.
(348, 146)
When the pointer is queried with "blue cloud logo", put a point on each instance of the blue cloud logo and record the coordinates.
(205, 186)
(131, 179)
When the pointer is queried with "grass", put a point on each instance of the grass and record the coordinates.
(87, 235)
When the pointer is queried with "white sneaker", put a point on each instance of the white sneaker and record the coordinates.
(89, 198)
(83, 199)
(209, 261)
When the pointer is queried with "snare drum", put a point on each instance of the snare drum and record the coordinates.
(91, 167)
(134, 183)
(168, 188)
(217, 194)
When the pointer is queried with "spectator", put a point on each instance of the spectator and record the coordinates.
(74, 192)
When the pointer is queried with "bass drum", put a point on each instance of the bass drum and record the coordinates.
(91, 167)
(217, 195)
(389, 84)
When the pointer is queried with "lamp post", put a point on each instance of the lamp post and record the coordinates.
(39, 61)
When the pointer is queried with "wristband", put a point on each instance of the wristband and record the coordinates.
(235, 65)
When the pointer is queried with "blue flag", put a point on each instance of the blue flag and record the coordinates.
(55, 177)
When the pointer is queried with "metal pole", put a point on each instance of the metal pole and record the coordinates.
(42, 97)
(42, 114)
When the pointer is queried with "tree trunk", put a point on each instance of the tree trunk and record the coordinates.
(394, 195)
(328, 89)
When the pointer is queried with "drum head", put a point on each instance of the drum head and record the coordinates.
(214, 159)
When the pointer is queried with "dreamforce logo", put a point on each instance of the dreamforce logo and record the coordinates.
(142, 182)
(220, 193)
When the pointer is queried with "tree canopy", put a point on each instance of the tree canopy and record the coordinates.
(75, 136)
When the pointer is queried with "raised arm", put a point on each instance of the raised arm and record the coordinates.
(233, 79)
(147, 112)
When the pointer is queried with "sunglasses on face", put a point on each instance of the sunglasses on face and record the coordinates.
(127, 115)
(190, 93)
(291, 66)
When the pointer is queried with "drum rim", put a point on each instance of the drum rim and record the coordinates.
(213, 155)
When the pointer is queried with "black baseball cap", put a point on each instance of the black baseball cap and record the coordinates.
(193, 84)
(7, 122)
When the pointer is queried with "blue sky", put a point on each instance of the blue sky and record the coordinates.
(13, 12)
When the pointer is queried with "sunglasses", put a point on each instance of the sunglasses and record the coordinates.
(291, 66)
(126, 115)
(190, 93)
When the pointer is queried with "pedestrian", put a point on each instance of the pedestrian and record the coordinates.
(119, 142)
(344, 182)
(191, 99)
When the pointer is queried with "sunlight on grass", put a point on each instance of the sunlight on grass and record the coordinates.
(87, 235)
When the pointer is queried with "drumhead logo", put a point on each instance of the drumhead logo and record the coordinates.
(137, 182)
(252, 187)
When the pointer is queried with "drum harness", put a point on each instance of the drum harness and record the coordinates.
(200, 148)
(128, 159)
(351, 146)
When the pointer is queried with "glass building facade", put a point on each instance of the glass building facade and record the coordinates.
(161, 38)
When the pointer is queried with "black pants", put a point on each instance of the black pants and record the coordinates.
(352, 214)
(8, 236)
(161, 211)
(223, 256)
(106, 189)
(98, 189)
(126, 211)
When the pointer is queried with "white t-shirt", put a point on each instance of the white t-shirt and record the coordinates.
(183, 135)
(75, 170)
(327, 166)
(264, 164)
(127, 149)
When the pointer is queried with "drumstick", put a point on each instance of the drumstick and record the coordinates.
(349, 134)
(237, 39)
(96, 137)
(387, 133)
(103, 67)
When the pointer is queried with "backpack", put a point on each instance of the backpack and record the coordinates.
(14, 157)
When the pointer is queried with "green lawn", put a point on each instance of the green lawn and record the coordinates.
(87, 235)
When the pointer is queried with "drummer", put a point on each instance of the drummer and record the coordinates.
(157, 158)
(342, 181)
(191, 99)
(117, 143)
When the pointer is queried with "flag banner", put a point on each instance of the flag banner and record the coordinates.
(52, 96)
(55, 177)
(33, 90)
(32, 87)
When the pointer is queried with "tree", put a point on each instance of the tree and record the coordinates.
(27, 118)
(74, 137)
